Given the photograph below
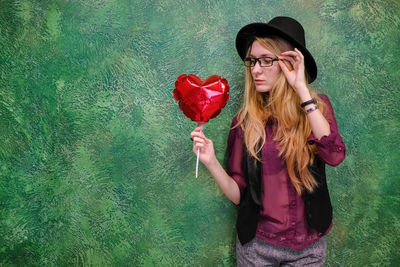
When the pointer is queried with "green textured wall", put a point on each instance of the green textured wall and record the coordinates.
(96, 166)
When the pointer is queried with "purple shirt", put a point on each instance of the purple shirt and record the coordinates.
(282, 218)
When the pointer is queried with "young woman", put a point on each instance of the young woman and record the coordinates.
(278, 144)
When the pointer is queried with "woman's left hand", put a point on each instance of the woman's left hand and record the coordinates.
(296, 77)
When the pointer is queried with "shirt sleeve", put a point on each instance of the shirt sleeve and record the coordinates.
(331, 148)
(235, 151)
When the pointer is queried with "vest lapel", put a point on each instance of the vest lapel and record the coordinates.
(253, 169)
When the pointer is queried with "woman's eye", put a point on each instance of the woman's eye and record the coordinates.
(266, 61)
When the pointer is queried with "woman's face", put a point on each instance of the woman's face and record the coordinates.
(264, 77)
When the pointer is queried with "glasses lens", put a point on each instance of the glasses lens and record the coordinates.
(249, 62)
(266, 61)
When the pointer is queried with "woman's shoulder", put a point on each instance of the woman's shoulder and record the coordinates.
(326, 100)
(235, 128)
(235, 132)
(235, 120)
(327, 106)
(324, 97)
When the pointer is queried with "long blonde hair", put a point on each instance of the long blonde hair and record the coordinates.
(293, 128)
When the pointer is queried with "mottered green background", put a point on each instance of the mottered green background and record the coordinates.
(96, 166)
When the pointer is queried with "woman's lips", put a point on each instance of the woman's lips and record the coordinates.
(259, 81)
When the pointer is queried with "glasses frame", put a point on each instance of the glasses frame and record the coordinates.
(258, 59)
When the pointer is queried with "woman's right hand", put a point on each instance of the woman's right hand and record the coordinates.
(207, 154)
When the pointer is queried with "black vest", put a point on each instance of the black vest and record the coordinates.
(318, 206)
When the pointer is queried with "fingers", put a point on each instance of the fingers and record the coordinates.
(199, 143)
(293, 60)
(291, 54)
(196, 131)
(295, 52)
(199, 139)
(294, 55)
(284, 68)
(290, 59)
(197, 134)
(298, 51)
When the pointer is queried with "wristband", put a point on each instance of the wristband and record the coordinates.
(312, 109)
(311, 101)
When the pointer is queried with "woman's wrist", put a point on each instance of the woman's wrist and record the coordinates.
(212, 163)
(308, 102)
(304, 93)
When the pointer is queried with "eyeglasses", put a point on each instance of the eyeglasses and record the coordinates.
(264, 61)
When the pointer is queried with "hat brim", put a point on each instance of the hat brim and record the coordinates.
(248, 33)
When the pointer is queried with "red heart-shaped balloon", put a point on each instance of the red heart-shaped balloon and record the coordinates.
(201, 100)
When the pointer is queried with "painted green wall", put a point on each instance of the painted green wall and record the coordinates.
(96, 166)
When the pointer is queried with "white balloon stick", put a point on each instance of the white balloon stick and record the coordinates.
(201, 124)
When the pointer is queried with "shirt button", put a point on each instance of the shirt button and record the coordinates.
(293, 223)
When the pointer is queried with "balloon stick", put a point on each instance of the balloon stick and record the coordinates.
(201, 125)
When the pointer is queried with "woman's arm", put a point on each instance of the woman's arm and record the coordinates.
(319, 125)
(324, 129)
(331, 148)
(207, 156)
(296, 78)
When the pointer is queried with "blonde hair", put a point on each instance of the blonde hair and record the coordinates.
(293, 128)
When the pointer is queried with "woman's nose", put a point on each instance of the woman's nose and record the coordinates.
(257, 68)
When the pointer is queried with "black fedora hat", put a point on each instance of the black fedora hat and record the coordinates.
(284, 27)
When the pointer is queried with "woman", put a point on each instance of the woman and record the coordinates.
(279, 143)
